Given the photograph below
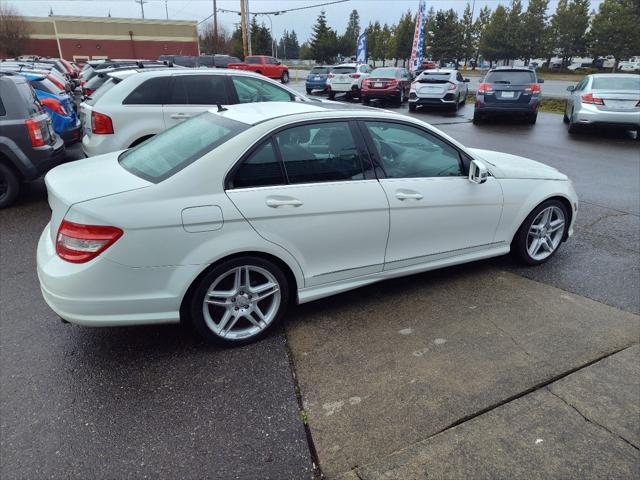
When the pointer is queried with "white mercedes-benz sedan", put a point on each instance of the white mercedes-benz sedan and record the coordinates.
(227, 218)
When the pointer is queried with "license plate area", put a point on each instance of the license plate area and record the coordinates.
(508, 95)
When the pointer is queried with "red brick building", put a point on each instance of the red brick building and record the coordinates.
(83, 38)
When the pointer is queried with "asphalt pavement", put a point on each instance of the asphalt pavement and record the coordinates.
(154, 402)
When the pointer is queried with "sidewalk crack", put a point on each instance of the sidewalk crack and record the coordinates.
(513, 339)
(589, 420)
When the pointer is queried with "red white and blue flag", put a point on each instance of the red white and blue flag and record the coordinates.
(418, 37)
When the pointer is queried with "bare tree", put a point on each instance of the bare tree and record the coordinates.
(208, 41)
(14, 32)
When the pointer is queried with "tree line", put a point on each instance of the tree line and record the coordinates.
(504, 34)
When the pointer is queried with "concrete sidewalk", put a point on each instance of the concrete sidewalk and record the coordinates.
(394, 367)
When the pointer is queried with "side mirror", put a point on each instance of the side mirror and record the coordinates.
(278, 62)
(541, 80)
(466, 80)
(478, 172)
(570, 88)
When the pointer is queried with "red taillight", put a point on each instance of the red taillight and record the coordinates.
(365, 83)
(535, 88)
(77, 243)
(485, 88)
(452, 86)
(88, 91)
(54, 105)
(35, 133)
(57, 83)
(589, 98)
(101, 123)
(393, 83)
(354, 75)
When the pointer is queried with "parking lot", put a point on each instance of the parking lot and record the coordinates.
(487, 370)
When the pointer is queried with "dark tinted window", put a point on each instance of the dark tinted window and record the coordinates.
(173, 149)
(260, 169)
(254, 60)
(29, 96)
(622, 82)
(205, 61)
(513, 77)
(340, 70)
(198, 90)
(409, 152)
(150, 92)
(3, 112)
(95, 96)
(321, 152)
(251, 90)
(320, 70)
(432, 77)
(185, 61)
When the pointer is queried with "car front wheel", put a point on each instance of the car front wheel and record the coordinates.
(9, 186)
(541, 234)
(239, 301)
(285, 77)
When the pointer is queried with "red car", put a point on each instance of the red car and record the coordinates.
(268, 66)
(388, 83)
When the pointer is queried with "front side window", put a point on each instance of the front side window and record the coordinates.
(253, 60)
(251, 90)
(198, 90)
(409, 152)
(173, 149)
(150, 92)
(321, 152)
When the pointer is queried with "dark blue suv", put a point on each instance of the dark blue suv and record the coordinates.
(317, 78)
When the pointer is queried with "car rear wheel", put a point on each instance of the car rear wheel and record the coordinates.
(332, 95)
(239, 301)
(401, 97)
(412, 107)
(285, 77)
(366, 101)
(541, 234)
(477, 119)
(309, 90)
(573, 128)
(9, 186)
(532, 118)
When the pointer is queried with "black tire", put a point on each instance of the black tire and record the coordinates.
(531, 119)
(332, 95)
(565, 119)
(9, 186)
(412, 107)
(573, 128)
(196, 300)
(309, 90)
(519, 243)
(366, 101)
(456, 105)
(285, 77)
(477, 118)
(400, 100)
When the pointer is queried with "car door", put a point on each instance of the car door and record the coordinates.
(462, 86)
(574, 97)
(249, 89)
(321, 204)
(435, 211)
(190, 95)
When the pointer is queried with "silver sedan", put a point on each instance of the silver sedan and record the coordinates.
(604, 100)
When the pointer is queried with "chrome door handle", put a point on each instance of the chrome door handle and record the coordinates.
(180, 115)
(408, 196)
(283, 202)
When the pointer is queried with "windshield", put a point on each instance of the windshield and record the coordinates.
(623, 82)
(384, 72)
(344, 70)
(511, 77)
(320, 70)
(172, 150)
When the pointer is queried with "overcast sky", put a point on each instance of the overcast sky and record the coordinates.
(301, 21)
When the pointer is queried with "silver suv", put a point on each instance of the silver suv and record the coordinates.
(438, 88)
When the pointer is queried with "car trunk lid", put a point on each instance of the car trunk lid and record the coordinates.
(84, 180)
(617, 100)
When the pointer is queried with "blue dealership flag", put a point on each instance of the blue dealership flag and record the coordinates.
(361, 52)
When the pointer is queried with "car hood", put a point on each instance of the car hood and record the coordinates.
(505, 165)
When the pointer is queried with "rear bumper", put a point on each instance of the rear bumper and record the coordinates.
(391, 93)
(45, 158)
(507, 108)
(316, 85)
(344, 87)
(447, 99)
(590, 115)
(73, 134)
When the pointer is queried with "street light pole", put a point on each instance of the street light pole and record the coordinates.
(215, 26)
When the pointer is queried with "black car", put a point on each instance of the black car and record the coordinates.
(28, 145)
(508, 90)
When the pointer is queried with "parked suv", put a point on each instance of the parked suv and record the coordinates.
(508, 90)
(28, 145)
(438, 88)
(126, 111)
(347, 78)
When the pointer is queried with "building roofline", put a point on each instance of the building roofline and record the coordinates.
(147, 21)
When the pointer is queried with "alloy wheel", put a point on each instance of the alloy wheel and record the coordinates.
(545, 233)
(242, 302)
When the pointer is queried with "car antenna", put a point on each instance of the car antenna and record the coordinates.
(221, 108)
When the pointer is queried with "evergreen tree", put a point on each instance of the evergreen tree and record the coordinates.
(375, 48)
(493, 41)
(480, 26)
(615, 30)
(469, 34)
(569, 24)
(404, 37)
(260, 38)
(234, 47)
(349, 40)
(514, 31)
(447, 37)
(324, 41)
(384, 43)
(288, 46)
(534, 31)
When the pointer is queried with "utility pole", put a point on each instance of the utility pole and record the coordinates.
(215, 26)
(166, 10)
(141, 2)
(243, 26)
(248, 20)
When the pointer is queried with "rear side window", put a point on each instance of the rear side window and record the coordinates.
(251, 90)
(3, 112)
(260, 169)
(253, 60)
(623, 82)
(170, 151)
(95, 96)
(341, 70)
(511, 77)
(320, 70)
(30, 100)
(198, 90)
(150, 92)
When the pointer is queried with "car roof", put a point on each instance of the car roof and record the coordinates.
(518, 69)
(613, 75)
(255, 113)
(439, 70)
(348, 65)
